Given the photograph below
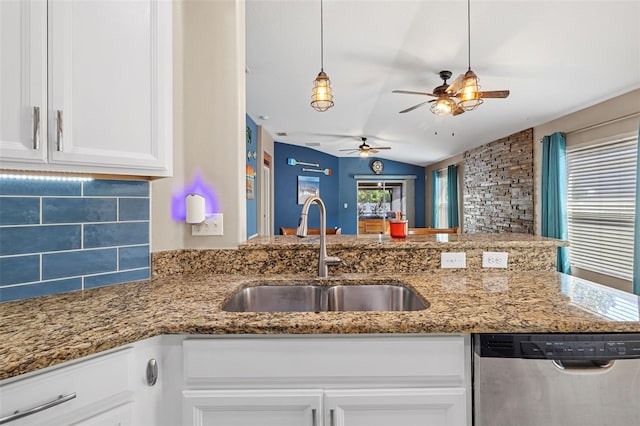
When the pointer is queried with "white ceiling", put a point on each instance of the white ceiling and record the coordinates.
(556, 57)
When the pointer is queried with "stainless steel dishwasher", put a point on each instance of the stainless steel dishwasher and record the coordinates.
(556, 379)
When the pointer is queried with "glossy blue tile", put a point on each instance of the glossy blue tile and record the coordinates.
(38, 187)
(39, 289)
(116, 234)
(19, 210)
(77, 210)
(133, 257)
(19, 269)
(36, 239)
(134, 209)
(75, 263)
(119, 188)
(116, 278)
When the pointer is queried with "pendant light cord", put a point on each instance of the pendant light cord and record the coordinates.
(321, 37)
(469, 33)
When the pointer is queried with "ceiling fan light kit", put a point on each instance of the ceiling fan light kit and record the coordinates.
(321, 98)
(463, 94)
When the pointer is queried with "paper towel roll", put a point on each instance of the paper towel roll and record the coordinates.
(195, 208)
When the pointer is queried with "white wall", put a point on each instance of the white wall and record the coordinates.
(209, 120)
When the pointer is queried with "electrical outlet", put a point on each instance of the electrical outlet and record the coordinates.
(211, 226)
(494, 259)
(453, 260)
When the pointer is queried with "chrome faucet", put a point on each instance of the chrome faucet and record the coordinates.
(323, 261)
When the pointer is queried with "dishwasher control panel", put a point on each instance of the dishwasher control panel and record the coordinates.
(559, 346)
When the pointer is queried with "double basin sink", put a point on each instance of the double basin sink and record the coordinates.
(316, 297)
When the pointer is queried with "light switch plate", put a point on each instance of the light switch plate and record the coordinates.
(494, 259)
(211, 226)
(453, 260)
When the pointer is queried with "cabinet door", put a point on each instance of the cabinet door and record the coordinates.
(252, 407)
(118, 416)
(23, 80)
(110, 85)
(406, 407)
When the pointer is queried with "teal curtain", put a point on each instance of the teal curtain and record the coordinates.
(434, 199)
(636, 229)
(452, 196)
(554, 195)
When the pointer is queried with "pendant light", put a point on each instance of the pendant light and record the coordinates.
(321, 98)
(470, 96)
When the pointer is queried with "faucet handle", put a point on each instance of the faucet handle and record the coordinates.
(332, 260)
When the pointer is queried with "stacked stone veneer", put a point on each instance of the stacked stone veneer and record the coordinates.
(498, 185)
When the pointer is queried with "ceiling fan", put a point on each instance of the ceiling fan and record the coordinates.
(447, 94)
(365, 149)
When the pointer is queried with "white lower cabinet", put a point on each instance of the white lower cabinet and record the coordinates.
(406, 407)
(294, 407)
(346, 407)
(327, 381)
(91, 392)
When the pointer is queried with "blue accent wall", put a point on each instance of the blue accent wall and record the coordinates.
(336, 190)
(286, 207)
(58, 236)
(251, 156)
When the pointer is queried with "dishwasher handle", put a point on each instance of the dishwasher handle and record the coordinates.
(583, 365)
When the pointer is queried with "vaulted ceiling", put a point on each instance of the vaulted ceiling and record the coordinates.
(555, 57)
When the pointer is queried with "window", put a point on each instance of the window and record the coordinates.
(443, 200)
(601, 207)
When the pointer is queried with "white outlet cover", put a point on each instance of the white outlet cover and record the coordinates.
(494, 259)
(453, 260)
(213, 225)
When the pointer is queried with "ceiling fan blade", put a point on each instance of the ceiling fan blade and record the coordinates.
(459, 110)
(372, 150)
(409, 92)
(414, 107)
(455, 85)
(382, 147)
(351, 150)
(495, 94)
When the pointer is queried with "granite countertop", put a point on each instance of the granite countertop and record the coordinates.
(459, 241)
(45, 331)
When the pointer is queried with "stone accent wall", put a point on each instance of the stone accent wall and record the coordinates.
(498, 185)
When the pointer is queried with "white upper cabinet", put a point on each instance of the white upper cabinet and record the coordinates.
(107, 105)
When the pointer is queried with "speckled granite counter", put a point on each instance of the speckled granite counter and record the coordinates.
(362, 254)
(45, 331)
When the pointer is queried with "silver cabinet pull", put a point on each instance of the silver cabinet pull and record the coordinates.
(313, 417)
(33, 410)
(36, 127)
(331, 418)
(152, 372)
(59, 130)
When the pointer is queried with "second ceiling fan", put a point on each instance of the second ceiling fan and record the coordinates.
(365, 149)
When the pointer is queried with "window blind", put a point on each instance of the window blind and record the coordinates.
(601, 207)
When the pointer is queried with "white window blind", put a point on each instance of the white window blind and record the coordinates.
(601, 207)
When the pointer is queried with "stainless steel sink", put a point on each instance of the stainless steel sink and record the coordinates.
(276, 298)
(373, 298)
(317, 298)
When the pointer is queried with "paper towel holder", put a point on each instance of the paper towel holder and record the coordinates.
(195, 208)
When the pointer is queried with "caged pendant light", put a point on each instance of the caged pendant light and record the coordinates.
(470, 96)
(321, 98)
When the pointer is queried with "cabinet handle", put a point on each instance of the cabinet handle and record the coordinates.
(331, 417)
(33, 410)
(36, 127)
(59, 129)
(313, 417)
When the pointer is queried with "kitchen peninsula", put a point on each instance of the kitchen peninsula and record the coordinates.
(184, 300)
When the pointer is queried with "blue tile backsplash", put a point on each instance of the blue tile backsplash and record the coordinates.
(59, 236)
